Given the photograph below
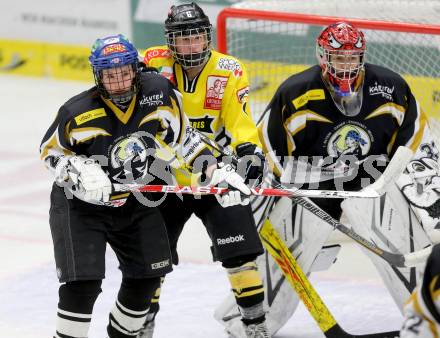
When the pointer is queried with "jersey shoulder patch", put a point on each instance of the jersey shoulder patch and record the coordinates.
(158, 52)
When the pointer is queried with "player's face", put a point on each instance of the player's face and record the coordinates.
(118, 80)
(191, 44)
(344, 64)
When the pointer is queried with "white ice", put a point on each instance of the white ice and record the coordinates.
(28, 283)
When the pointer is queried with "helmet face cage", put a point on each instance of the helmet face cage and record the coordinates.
(340, 52)
(119, 84)
(188, 34)
(114, 61)
(190, 47)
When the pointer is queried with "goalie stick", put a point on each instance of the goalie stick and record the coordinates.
(304, 289)
(400, 159)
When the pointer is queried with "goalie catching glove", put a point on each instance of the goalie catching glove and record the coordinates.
(226, 174)
(85, 178)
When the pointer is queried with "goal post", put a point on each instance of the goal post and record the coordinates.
(276, 44)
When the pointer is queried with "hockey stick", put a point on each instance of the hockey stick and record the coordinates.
(306, 292)
(400, 159)
(280, 192)
(395, 167)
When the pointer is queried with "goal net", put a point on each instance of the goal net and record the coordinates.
(276, 39)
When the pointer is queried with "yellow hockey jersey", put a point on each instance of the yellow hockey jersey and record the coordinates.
(215, 101)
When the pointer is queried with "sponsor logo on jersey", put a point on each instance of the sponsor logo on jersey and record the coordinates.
(349, 138)
(160, 265)
(230, 240)
(231, 65)
(310, 95)
(203, 124)
(385, 91)
(152, 100)
(242, 94)
(157, 53)
(215, 88)
(128, 156)
(90, 115)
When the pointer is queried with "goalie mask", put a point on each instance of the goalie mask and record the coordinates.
(340, 51)
(114, 61)
(188, 34)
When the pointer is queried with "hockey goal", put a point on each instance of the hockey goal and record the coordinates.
(277, 38)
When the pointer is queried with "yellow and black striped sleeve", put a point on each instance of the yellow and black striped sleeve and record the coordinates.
(273, 134)
(413, 124)
(55, 143)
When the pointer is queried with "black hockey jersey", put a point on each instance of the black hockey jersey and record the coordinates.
(303, 120)
(124, 143)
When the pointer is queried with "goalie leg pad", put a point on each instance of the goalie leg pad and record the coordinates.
(304, 234)
(389, 222)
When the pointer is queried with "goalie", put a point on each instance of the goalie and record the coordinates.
(347, 118)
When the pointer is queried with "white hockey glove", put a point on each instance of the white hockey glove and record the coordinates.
(227, 174)
(85, 178)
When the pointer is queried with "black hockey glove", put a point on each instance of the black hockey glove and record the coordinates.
(251, 163)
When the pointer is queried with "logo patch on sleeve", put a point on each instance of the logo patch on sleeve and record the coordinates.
(242, 94)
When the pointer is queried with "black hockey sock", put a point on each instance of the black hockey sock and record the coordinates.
(154, 306)
(130, 310)
(75, 306)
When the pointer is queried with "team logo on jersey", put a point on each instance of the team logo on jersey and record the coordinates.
(385, 91)
(203, 124)
(231, 65)
(129, 157)
(351, 138)
(152, 100)
(215, 88)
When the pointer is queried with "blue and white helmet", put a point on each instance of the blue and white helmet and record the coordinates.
(112, 52)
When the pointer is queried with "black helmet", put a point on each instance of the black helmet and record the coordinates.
(188, 20)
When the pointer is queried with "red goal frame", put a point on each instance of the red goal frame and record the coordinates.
(230, 12)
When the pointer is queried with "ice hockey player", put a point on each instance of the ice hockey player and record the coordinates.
(215, 93)
(346, 115)
(422, 311)
(104, 136)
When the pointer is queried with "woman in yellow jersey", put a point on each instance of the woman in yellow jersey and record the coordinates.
(215, 89)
